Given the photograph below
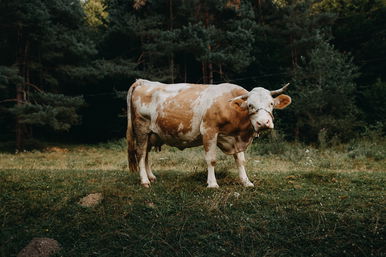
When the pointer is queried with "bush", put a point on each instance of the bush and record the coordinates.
(119, 144)
(371, 144)
(373, 104)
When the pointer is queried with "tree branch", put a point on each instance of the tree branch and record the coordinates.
(12, 100)
(35, 87)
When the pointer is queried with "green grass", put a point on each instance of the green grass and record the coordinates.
(333, 205)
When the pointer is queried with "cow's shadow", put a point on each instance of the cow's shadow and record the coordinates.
(224, 177)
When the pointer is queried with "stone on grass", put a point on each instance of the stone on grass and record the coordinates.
(91, 200)
(150, 205)
(40, 247)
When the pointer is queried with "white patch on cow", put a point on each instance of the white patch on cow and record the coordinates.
(210, 157)
(180, 127)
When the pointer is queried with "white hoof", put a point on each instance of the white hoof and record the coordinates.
(147, 185)
(248, 184)
(213, 185)
(152, 178)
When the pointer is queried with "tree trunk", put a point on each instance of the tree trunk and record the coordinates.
(19, 127)
(203, 69)
(172, 67)
(171, 29)
(221, 72)
(210, 73)
(21, 97)
(185, 70)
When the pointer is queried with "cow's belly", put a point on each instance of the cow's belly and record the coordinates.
(176, 131)
(179, 142)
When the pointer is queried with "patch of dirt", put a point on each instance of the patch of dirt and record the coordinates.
(40, 247)
(91, 200)
(55, 149)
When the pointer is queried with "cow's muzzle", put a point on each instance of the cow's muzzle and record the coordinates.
(262, 121)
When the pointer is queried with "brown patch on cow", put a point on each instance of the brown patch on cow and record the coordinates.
(240, 105)
(176, 113)
(230, 117)
(208, 136)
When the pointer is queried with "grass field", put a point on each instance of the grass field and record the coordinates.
(306, 202)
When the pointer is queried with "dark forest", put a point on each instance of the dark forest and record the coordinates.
(66, 65)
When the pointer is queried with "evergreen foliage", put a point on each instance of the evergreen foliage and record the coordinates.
(54, 110)
(58, 49)
(372, 101)
(324, 99)
(38, 38)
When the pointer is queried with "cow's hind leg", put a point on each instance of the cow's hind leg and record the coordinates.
(142, 151)
(149, 172)
(240, 162)
(210, 144)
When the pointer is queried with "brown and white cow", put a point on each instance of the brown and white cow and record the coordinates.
(187, 115)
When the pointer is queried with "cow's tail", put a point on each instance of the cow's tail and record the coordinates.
(130, 133)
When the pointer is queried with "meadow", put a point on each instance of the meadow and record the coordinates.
(307, 201)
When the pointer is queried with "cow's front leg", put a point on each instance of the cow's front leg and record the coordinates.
(210, 144)
(240, 162)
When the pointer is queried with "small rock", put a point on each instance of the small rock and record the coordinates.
(91, 200)
(150, 205)
(40, 247)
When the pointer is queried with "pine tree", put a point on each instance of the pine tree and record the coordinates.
(324, 93)
(39, 37)
(360, 30)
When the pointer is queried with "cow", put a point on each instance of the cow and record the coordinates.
(188, 115)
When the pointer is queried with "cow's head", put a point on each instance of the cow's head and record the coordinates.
(260, 104)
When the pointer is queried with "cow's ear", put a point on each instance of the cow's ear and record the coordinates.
(281, 101)
(239, 104)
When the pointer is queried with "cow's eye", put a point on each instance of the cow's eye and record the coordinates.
(271, 104)
(250, 106)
